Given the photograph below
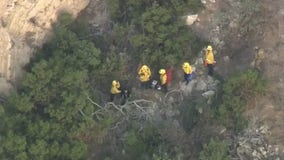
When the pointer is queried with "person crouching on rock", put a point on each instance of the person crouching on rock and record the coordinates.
(144, 76)
(115, 89)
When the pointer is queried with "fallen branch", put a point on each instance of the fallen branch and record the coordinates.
(94, 102)
(116, 107)
(83, 114)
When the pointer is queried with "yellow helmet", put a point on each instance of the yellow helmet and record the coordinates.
(209, 48)
(162, 71)
(185, 64)
(144, 67)
(114, 82)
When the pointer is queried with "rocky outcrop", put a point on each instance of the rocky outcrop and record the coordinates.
(253, 144)
(25, 26)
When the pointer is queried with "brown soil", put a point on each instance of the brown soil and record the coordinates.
(267, 109)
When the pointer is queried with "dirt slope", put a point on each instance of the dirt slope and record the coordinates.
(236, 29)
(269, 109)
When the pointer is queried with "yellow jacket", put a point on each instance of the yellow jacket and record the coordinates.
(163, 79)
(115, 87)
(144, 73)
(209, 57)
(186, 68)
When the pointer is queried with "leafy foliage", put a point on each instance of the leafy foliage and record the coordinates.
(43, 120)
(49, 117)
(158, 34)
(164, 156)
(214, 150)
(144, 142)
(189, 114)
(236, 92)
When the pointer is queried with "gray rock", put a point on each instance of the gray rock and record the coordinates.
(201, 86)
(170, 100)
(200, 110)
(199, 61)
(226, 59)
(208, 94)
(187, 89)
(213, 85)
(170, 113)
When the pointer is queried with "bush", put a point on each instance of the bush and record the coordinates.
(157, 34)
(189, 112)
(237, 90)
(214, 150)
(144, 142)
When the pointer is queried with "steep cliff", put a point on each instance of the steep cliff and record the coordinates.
(25, 26)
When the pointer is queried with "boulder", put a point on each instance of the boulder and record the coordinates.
(190, 19)
(201, 86)
(187, 89)
(208, 94)
(199, 61)
(203, 1)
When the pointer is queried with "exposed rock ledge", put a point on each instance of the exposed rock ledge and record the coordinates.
(25, 26)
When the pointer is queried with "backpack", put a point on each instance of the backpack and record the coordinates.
(169, 75)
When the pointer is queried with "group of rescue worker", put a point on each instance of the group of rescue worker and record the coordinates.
(144, 74)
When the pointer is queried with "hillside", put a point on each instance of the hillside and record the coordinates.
(60, 57)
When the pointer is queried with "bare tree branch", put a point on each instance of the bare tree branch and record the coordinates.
(94, 102)
(83, 114)
(116, 107)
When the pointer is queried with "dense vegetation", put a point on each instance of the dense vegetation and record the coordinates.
(215, 150)
(152, 31)
(42, 120)
(237, 91)
(51, 115)
(45, 118)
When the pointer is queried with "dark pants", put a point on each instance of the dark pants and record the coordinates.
(112, 97)
(145, 84)
(164, 88)
(210, 69)
(188, 77)
(125, 94)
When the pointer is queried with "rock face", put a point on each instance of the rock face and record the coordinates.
(25, 26)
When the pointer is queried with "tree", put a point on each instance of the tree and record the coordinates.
(43, 119)
(158, 34)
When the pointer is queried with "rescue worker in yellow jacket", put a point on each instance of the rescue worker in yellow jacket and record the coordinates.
(188, 73)
(163, 80)
(115, 89)
(144, 76)
(209, 60)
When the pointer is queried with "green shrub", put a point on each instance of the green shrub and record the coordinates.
(214, 150)
(144, 142)
(189, 112)
(163, 156)
(44, 118)
(158, 34)
(237, 90)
